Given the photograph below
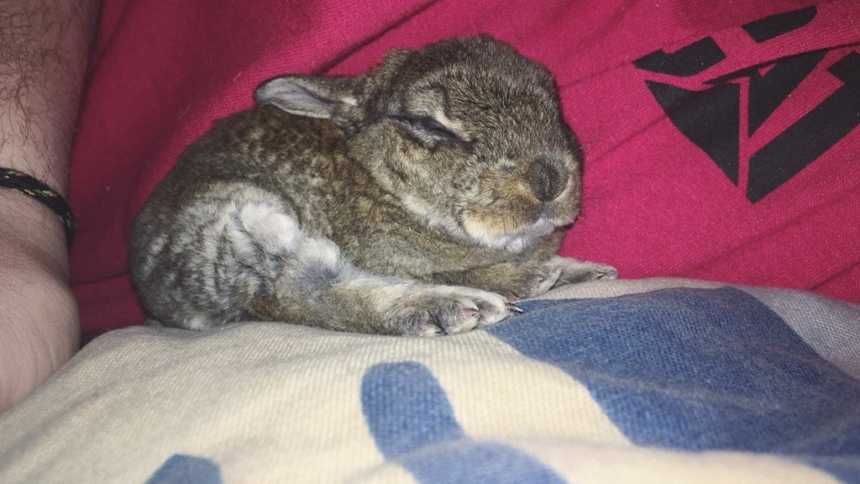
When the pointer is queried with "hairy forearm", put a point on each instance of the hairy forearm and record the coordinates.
(43, 57)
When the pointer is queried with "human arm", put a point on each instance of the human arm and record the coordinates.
(43, 56)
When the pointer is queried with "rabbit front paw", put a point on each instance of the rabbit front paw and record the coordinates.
(573, 270)
(444, 310)
(529, 280)
(532, 280)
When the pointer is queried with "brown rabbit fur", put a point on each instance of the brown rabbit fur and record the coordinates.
(417, 199)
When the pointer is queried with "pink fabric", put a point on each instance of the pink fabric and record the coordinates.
(655, 204)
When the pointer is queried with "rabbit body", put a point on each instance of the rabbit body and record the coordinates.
(417, 199)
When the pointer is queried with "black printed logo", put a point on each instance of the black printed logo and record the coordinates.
(710, 118)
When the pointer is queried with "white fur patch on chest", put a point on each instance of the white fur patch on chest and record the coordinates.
(473, 231)
(512, 242)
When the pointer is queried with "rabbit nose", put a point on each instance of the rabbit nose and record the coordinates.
(547, 179)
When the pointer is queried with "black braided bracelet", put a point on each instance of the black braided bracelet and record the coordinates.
(34, 188)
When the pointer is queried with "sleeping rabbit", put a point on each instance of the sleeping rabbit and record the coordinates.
(417, 199)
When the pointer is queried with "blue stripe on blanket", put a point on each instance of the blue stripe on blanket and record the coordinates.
(412, 423)
(700, 369)
(186, 469)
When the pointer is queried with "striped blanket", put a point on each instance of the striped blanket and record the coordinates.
(607, 382)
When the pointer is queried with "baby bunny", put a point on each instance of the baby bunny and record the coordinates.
(417, 199)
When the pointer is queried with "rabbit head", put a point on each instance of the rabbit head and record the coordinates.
(466, 133)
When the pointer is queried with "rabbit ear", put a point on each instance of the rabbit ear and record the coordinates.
(313, 97)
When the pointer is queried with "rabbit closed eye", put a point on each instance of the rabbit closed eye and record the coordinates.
(415, 199)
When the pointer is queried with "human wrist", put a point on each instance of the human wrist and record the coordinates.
(38, 329)
(31, 236)
(38, 313)
(41, 192)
